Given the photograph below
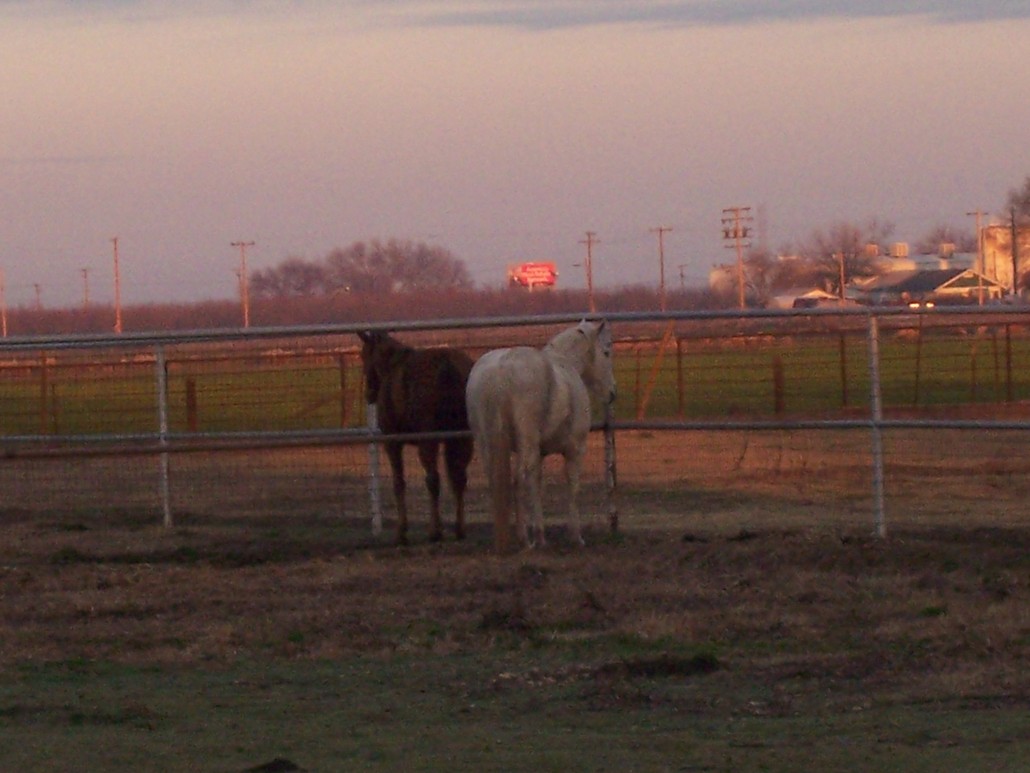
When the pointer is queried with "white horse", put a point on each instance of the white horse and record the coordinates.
(533, 403)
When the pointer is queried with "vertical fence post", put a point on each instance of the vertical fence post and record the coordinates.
(44, 394)
(876, 417)
(843, 371)
(1008, 363)
(636, 383)
(191, 404)
(997, 365)
(610, 470)
(779, 385)
(919, 359)
(342, 364)
(679, 378)
(161, 373)
(374, 502)
(972, 373)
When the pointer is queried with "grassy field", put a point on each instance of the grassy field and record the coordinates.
(319, 386)
(742, 620)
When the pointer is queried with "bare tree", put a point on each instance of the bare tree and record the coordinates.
(766, 273)
(365, 267)
(1019, 203)
(294, 276)
(394, 266)
(963, 239)
(842, 252)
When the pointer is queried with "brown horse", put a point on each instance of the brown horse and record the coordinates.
(420, 390)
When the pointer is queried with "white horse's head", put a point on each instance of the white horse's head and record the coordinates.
(589, 346)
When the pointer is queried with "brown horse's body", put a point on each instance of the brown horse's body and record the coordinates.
(420, 390)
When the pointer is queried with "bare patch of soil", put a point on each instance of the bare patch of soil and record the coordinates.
(791, 617)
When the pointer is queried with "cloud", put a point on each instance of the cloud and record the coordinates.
(545, 14)
(550, 14)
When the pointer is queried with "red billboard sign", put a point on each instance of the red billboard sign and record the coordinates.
(533, 274)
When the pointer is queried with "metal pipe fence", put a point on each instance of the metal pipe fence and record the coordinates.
(223, 392)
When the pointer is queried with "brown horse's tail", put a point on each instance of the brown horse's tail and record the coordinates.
(499, 477)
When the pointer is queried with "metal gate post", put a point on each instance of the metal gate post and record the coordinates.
(610, 470)
(876, 419)
(161, 373)
(374, 502)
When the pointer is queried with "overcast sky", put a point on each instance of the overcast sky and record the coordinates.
(502, 131)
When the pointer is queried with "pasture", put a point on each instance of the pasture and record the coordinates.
(707, 372)
(742, 620)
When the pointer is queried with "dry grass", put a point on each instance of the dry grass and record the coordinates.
(751, 591)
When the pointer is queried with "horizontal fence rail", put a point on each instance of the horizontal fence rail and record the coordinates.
(872, 370)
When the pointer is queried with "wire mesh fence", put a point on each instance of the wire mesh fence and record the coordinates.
(723, 422)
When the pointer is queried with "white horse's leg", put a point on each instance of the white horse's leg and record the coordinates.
(573, 467)
(538, 505)
(530, 511)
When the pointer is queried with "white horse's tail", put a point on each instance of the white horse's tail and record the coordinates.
(499, 476)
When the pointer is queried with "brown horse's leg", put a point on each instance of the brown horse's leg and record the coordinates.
(457, 456)
(428, 454)
(395, 453)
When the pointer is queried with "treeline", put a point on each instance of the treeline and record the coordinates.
(374, 267)
(344, 308)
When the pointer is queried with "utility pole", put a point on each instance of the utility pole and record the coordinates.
(683, 276)
(117, 289)
(661, 231)
(85, 288)
(736, 231)
(590, 241)
(1015, 251)
(980, 268)
(843, 277)
(39, 296)
(3, 303)
(244, 283)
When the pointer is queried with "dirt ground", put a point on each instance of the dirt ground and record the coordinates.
(706, 610)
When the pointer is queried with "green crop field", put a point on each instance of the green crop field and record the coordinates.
(761, 377)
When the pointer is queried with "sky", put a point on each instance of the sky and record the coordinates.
(501, 130)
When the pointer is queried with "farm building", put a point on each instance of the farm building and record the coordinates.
(940, 285)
